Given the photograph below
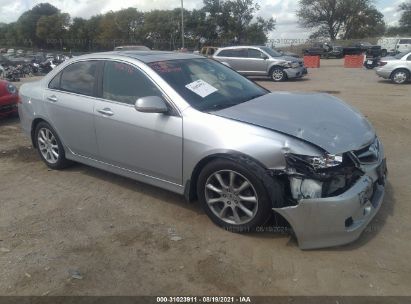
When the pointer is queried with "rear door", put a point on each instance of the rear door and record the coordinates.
(236, 58)
(147, 143)
(69, 101)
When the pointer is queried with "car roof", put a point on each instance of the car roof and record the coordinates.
(144, 56)
(241, 47)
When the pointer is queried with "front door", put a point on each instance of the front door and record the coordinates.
(146, 143)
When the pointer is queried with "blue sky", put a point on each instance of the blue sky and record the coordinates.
(282, 10)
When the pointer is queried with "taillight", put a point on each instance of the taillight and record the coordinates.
(382, 63)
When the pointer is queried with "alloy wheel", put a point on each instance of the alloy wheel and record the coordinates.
(48, 145)
(278, 75)
(231, 197)
(400, 77)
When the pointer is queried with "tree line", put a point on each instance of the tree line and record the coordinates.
(45, 26)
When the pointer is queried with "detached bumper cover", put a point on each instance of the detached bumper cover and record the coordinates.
(338, 220)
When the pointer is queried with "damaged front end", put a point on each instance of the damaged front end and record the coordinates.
(331, 198)
(320, 176)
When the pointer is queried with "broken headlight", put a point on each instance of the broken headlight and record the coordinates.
(314, 162)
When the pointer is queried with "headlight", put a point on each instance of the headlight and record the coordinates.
(314, 162)
(11, 89)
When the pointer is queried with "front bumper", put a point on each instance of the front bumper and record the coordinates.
(8, 105)
(296, 72)
(333, 221)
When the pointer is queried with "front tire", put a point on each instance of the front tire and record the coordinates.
(278, 74)
(50, 147)
(232, 196)
(400, 76)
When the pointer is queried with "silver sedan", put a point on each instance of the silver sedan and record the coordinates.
(195, 127)
(396, 68)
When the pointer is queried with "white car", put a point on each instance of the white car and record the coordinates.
(396, 68)
(403, 45)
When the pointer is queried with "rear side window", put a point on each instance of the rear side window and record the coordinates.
(125, 83)
(409, 58)
(405, 41)
(242, 53)
(80, 78)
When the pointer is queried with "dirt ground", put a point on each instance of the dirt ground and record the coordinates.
(83, 231)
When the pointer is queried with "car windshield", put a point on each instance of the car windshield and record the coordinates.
(271, 52)
(206, 84)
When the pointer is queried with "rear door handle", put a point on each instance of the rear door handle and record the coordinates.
(52, 98)
(106, 112)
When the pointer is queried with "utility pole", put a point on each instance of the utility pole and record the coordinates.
(182, 25)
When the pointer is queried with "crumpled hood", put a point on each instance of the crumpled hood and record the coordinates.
(320, 119)
(290, 58)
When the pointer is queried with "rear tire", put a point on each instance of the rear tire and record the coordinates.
(400, 76)
(50, 148)
(233, 196)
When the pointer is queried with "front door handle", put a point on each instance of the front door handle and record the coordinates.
(106, 112)
(52, 98)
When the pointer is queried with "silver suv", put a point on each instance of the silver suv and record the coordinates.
(261, 61)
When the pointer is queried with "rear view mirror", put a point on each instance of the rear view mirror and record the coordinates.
(151, 104)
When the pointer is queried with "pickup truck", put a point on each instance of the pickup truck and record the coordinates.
(365, 47)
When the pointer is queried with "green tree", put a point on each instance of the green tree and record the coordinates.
(26, 25)
(341, 18)
(405, 20)
(52, 27)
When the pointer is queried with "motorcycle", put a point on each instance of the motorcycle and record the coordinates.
(371, 62)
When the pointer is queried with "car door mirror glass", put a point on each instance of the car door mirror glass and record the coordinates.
(151, 104)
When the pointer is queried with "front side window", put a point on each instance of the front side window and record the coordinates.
(206, 84)
(124, 83)
(253, 53)
(80, 78)
(55, 82)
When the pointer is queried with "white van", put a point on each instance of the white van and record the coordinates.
(388, 45)
(403, 45)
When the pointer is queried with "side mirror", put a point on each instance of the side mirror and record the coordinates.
(265, 57)
(151, 104)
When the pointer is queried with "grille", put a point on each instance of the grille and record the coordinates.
(369, 154)
(7, 108)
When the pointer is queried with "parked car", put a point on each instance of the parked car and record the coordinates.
(132, 48)
(403, 45)
(396, 68)
(261, 61)
(196, 127)
(10, 52)
(325, 50)
(8, 98)
(208, 51)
